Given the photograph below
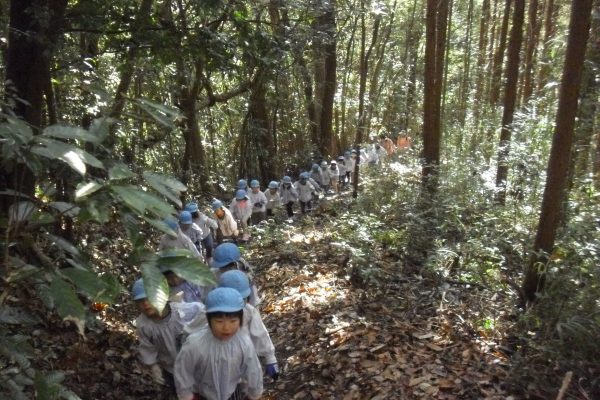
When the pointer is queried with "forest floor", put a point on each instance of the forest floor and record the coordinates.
(339, 333)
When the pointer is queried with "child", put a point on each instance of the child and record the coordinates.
(334, 175)
(190, 229)
(241, 210)
(258, 201)
(326, 180)
(227, 227)
(273, 198)
(228, 258)
(253, 322)
(180, 289)
(205, 224)
(342, 172)
(350, 163)
(288, 194)
(220, 362)
(305, 192)
(160, 333)
(316, 174)
(177, 239)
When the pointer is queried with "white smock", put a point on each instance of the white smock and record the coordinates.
(160, 340)
(213, 368)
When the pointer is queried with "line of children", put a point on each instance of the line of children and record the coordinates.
(222, 340)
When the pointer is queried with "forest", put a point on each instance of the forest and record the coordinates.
(463, 264)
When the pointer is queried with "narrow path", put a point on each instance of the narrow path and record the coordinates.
(344, 334)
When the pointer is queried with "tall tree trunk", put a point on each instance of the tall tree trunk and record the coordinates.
(465, 87)
(27, 68)
(257, 156)
(550, 14)
(555, 191)
(435, 36)
(444, 86)
(410, 59)
(510, 97)
(330, 83)
(533, 32)
(496, 78)
(348, 61)
(362, 87)
(580, 164)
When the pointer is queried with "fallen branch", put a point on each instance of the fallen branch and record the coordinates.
(565, 384)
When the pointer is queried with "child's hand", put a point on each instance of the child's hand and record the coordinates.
(272, 370)
(157, 374)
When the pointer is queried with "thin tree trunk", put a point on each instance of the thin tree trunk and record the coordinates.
(555, 191)
(550, 14)
(533, 32)
(484, 22)
(496, 78)
(510, 97)
(410, 59)
(362, 87)
(446, 60)
(465, 87)
(348, 61)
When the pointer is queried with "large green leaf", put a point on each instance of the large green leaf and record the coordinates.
(160, 113)
(156, 205)
(70, 132)
(130, 195)
(189, 268)
(75, 157)
(155, 285)
(85, 280)
(70, 210)
(87, 188)
(119, 171)
(67, 303)
(168, 187)
(113, 289)
(63, 244)
(17, 269)
(101, 126)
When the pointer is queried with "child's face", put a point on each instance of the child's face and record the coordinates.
(255, 189)
(223, 328)
(273, 190)
(145, 307)
(173, 279)
(220, 213)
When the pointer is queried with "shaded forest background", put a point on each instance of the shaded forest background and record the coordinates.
(116, 112)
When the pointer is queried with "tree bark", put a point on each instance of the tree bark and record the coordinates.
(555, 191)
(550, 14)
(496, 78)
(33, 27)
(465, 85)
(435, 36)
(510, 97)
(484, 22)
(533, 32)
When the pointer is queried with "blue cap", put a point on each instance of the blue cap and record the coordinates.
(217, 204)
(242, 184)
(171, 223)
(225, 254)
(191, 207)
(273, 185)
(287, 179)
(137, 291)
(315, 167)
(324, 164)
(185, 218)
(254, 183)
(224, 299)
(304, 175)
(240, 194)
(347, 153)
(237, 280)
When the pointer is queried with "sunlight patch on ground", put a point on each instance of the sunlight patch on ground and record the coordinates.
(308, 291)
(401, 168)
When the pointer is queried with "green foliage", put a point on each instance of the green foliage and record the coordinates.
(62, 273)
